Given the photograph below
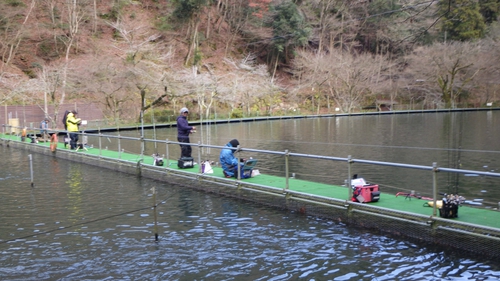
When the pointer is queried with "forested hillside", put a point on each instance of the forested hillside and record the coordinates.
(249, 57)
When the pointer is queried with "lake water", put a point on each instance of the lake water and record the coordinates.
(80, 222)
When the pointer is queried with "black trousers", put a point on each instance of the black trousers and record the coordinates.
(73, 140)
(185, 149)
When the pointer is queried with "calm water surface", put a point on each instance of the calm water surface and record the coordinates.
(80, 222)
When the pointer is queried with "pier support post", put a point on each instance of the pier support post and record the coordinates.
(31, 169)
(155, 216)
(139, 168)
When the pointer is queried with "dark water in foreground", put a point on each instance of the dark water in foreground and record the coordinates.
(80, 222)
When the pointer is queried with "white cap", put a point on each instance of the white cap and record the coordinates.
(184, 110)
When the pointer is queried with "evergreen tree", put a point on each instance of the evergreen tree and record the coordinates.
(186, 9)
(289, 30)
(490, 10)
(462, 20)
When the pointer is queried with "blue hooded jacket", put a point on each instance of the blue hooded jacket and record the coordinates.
(183, 128)
(228, 161)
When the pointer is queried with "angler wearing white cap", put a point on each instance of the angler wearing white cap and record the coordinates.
(183, 131)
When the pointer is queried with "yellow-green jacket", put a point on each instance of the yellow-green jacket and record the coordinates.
(72, 122)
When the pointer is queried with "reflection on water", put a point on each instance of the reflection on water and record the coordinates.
(75, 192)
(85, 223)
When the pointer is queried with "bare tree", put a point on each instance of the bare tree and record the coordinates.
(246, 84)
(237, 14)
(109, 81)
(74, 16)
(487, 85)
(13, 90)
(49, 81)
(346, 78)
(326, 19)
(12, 36)
(52, 8)
(447, 68)
(351, 79)
(144, 64)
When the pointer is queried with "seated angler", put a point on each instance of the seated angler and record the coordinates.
(228, 161)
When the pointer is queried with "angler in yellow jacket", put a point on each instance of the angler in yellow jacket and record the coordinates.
(72, 123)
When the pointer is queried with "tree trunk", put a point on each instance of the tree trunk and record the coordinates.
(275, 67)
(95, 18)
(194, 42)
(209, 20)
(12, 48)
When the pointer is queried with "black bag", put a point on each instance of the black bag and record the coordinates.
(185, 162)
(448, 210)
(65, 117)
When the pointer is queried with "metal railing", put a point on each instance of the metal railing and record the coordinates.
(434, 169)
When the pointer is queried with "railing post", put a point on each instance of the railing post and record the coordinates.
(119, 148)
(238, 164)
(167, 156)
(434, 187)
(199, 158)
(100, 144)
(348, 182)
(142, 147)
(286, 169)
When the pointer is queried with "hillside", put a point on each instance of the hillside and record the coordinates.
(243, 57)
(117, 34)
(38, 47)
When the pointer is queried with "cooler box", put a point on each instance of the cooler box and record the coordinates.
(369, 193)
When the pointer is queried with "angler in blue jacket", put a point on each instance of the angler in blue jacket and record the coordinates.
(183, 131)
(228, 161)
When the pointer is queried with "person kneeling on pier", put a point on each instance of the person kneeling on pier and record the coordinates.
(229, 162)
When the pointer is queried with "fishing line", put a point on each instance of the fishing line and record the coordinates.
(84, 223)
